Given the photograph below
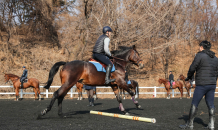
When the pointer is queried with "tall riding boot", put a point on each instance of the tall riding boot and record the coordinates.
(92, 102)
(108, 74)
(192, 114)
(21, 85)
(211, 119)
(191, 84)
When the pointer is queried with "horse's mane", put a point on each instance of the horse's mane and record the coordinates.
(122, 50)
(164, 80)
(12, 75)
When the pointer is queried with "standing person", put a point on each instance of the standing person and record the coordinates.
(205, 65)
(23, 76)
(171, 79)
(101, 52)
(90, 93)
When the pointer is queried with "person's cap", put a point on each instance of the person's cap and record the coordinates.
(24, 66)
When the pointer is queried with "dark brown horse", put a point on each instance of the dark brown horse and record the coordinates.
(134, 86)
(32, 82)
(79, 87)
(166, 83)
(187, 84)
(86, 73)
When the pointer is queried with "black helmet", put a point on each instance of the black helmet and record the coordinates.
(206, 45)
(106, 28)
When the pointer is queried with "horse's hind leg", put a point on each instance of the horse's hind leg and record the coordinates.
(36, 95)
(39, 95)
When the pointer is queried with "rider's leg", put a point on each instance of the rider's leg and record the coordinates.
(88, 95)
(91, 92)
(22, 80)
(105, 60)
(198, 94)
(171, 84)
(209, 98)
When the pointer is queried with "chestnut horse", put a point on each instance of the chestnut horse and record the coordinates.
(86, 73)
(79, 87)
(134, 86)
(166, 83)
(187, 84)
(32, 82)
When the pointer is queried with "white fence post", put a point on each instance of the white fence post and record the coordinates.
(173, 92)
(190, 92)
(155, 91)
(46, 93)
(21, 93)
(71, 95)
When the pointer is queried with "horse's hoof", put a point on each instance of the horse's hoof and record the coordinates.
(167, 98)
(127, 114)
(39, 99)
(139, 106)
(180, 98)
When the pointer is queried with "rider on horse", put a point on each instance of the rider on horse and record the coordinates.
(101, 52)
(171, 79)
(24, 76)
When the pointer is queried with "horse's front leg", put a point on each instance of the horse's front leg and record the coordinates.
(119, 99)
(132, 95)
(16, 94)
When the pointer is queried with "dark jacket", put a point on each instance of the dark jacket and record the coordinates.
(99, 45)
(171, 77)
(205, 64)
(24, 75)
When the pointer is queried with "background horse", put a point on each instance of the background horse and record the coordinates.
(166, 83)
(86, 73)
(79, 87)
(187, 84)
(134, 86)
(32, 82)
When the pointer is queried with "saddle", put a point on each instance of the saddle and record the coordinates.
(100, 66)
(94, 60)
(25, 80)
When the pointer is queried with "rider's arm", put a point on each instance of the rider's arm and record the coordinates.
(194, 66)
(24, 74)
(106, 46)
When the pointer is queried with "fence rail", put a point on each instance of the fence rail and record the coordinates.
(72, 93)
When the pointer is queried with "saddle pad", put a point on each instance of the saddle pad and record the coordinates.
(173, 83)
(100, 68)
(129, 82)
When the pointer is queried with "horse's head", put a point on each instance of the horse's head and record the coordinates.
(160, 82)
(181, 77)
(6, 78)
(11, 77)
(135, 58)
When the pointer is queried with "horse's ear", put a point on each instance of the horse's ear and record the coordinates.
(134, 47)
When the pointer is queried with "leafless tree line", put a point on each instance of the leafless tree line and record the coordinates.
(156, 27)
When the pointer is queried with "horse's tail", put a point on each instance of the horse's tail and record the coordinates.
(52, 73)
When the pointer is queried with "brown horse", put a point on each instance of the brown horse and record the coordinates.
(187, 84)
(166, 83)
(86, 73)
(32, 82)
(79, 87)
(134, 86)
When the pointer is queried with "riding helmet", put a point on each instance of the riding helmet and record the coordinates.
(106, 28)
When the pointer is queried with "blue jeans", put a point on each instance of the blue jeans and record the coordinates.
(208, 91)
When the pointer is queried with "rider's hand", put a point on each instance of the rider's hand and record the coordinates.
(187, 79)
